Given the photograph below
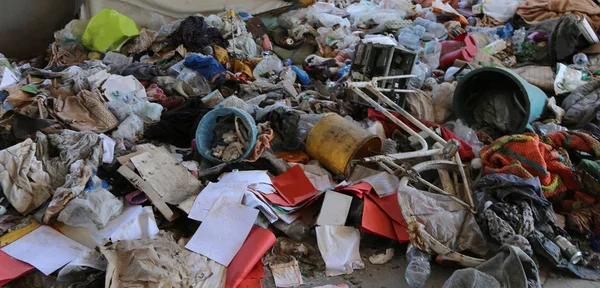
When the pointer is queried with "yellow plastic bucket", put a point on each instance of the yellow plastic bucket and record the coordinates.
(334, 141)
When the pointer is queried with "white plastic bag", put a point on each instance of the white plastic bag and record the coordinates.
(91, 209)
(339, 247)
(270, 64)
(567, 79)
(501, 10)
(245, 44)
(130, 128)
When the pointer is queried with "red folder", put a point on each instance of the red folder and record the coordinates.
(259, 241)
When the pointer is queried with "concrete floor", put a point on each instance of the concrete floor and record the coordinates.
(391, 274)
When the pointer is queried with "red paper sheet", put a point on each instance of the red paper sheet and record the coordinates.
(358, 189)
(11, 268)
(251, 283)
(294, 186)
(259, 241)
(374, 220)
(390, 206)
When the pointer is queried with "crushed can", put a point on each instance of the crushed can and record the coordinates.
(569, 251)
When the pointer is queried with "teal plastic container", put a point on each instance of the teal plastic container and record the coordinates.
(205, 132)
(531, 98)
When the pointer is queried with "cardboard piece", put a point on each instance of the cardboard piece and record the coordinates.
(173, 182)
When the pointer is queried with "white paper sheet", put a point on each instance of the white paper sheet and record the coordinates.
(251, 177)
(223, 231)
(335, 208)
(209, 195)
(45, 249)
(251, 200)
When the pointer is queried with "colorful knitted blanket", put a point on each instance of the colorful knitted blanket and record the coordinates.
(524, 155)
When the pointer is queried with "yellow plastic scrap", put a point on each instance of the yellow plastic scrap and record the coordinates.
(108, 30)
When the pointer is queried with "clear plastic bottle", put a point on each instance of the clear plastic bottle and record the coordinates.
(431, 55)
(518, 38)
(418, 268)
(410, 37)
(288, 74)
(579, 61)
(433, 27)
(421, 70)
(297, 231)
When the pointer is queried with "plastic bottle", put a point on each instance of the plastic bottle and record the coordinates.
(518, 38)
(431, 55)
(418, 268)
(579, 61)
(410, 37)
(345, 69)
(297, 231)
(288, 74)
(347, 53)
(302, 75)
(421, 70)
(495, 47)
(436, 28)
(449, 76)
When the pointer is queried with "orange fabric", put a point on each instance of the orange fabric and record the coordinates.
(534, 11)
(294, 157)
(525, 156)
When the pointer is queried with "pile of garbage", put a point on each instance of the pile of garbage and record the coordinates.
(204, 151)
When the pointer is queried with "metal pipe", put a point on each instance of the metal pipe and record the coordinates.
(403, 156)
(407, 115)
(373, 103)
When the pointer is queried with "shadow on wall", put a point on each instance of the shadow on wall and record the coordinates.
(27, 26)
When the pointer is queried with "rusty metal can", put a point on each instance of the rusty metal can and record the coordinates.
(570, 251)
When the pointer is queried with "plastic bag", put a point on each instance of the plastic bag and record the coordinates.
(329, 20)
(468, 135)
(123, 87)
(130, 128)
(380, 39)
(501, 10)
(340, 38)
(403, 5)
(148, 111)
(442, 95)
(91, 209)
(114, 58)
(567, 79)
(245, 43)
(551, 128)
(121, 109)
(270, 65)
(108, 30)
(292, 18)
(69, 38)
(446, 221)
